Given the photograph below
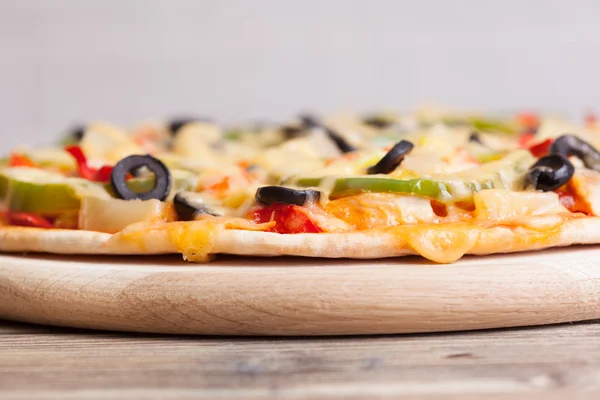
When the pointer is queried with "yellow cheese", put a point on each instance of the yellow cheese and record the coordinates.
(586, 185)
(196, 240)
(504, 205)
(441, 243)
(379, 210)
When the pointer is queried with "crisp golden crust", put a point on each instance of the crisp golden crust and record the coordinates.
(440, 243)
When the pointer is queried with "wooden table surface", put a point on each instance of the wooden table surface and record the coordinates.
(544, 362)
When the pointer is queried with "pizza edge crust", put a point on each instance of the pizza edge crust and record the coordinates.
(354, 245)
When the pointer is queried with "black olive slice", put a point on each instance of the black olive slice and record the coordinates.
(74, 134)
(311, 122)
(292, 131)
(571, 145)
(280, 194)
(549, 173)
(118, 178)
(77, 133)
(176, 124)
(340, 142)
(475, 137)
(392, 159)
(378, 122)
(188, 207)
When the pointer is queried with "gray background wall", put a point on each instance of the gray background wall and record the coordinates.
(66, 60)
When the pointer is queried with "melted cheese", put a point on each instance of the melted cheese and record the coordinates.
(536, 217)
(504, 205)
(378, 210)
(440, 243)
(586, 185)
(446, 243)
(195, 240)
(326, 221)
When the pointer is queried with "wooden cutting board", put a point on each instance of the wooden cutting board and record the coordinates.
(300, 296)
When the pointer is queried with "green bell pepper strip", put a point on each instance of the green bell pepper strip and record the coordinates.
(491, 125)
(441, 190)
(233, 135)
(483, 124)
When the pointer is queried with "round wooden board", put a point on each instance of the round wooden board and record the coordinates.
(301, 296)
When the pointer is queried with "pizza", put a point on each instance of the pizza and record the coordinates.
(431, 182)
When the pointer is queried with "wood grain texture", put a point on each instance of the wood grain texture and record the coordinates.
(552, 362)
(297, 296)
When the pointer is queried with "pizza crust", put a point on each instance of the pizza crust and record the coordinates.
(362, 245)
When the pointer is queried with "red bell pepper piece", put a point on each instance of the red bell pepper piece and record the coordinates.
(591, 119)
(528, 119)
(103, 174)
(20, 160)
(288, 219)
(27, 219)
(541, 149)
(85, 171)
(525, 140)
